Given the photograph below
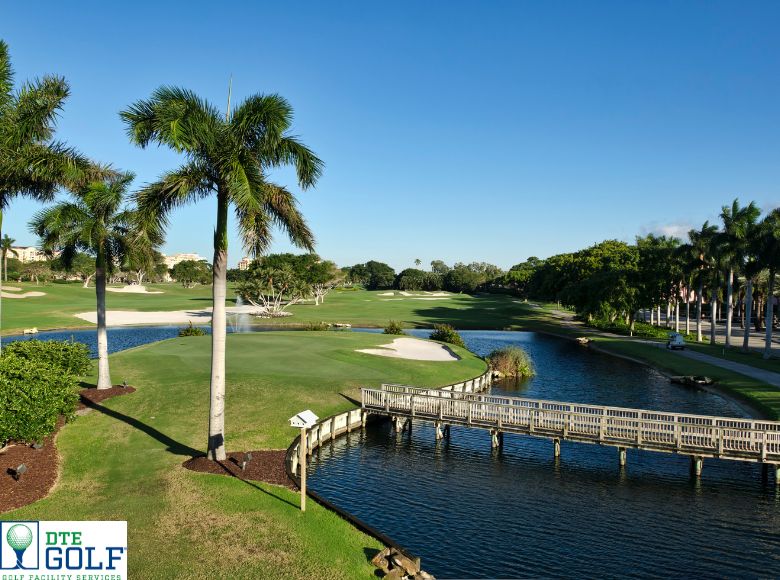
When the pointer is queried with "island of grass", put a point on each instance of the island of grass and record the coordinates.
(124, 460)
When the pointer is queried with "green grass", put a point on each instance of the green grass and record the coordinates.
(62, 301)
(124, 462)
(360, 308)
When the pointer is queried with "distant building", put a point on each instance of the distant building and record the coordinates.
(243, 264)
(27, 254)
(171, 261)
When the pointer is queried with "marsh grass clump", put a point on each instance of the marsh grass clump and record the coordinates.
(448, 334)
(192, 331)
(511, 361)
(316, 326)
(393, 327)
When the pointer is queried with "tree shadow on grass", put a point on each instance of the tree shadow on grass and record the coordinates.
(254, 485)
(173, 446)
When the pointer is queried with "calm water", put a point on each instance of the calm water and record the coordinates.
(471, 512)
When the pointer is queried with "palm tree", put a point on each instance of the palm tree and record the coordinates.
(6, 247)
(737, 225)
(700, 241)
(227, 156)
(769, 256)
(94, 222)
(32, 164)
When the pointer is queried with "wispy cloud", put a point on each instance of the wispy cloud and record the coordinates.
(677, 229)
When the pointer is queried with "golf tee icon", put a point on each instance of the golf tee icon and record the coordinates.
(19, 537)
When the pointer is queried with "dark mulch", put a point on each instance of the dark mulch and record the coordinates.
(39, 478)
(93, 395)
(42, 464)
(265, 465)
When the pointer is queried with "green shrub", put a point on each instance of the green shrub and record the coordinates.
(511, 361)
(446, 333)
(33, 396)
(316, 326)
(393, 327)
(192, 331)
(68, 357)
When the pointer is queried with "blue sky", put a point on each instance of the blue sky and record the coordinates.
(450, 130)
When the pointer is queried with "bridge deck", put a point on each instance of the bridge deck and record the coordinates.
(694, 435)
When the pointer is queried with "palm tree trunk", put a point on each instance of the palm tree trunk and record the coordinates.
(687, 311)
(668, 315)
(104, 376)
(729, 291)
(658, 315)
(216, 444)
(748, 307)
(769, 312)
(713, 313)
(699, 302)
(677, 315)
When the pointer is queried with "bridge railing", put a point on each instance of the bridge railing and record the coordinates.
(759, 440)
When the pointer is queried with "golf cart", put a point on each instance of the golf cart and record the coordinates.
(676, 341)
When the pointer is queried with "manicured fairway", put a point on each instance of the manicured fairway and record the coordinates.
(62, 301)
(357, 307)
(124, 462)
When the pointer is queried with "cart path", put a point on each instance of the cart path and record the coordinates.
(768, 377)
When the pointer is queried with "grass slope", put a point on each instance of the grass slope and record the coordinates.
(124, 462)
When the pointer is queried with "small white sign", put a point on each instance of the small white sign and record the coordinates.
(80, 550)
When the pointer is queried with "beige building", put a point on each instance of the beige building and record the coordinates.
(171, 261)
(27, 254)
(243, 264)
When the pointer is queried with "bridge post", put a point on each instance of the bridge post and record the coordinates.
(496, 438)
(697, 463)
(439, 434)
(556, 447)
(622, 456)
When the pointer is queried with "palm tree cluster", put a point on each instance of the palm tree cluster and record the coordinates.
(228, 156)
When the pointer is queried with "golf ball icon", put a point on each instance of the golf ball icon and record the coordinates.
(19, 537)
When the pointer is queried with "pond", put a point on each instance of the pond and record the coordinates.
(469, 511)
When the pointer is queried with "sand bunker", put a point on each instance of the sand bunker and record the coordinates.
(132, 317)
(12, 288)
(386, 294)
(134, 289)
(413, 349)
(25, 295)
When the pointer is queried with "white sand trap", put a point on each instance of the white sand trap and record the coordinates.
(429, 298)
(389, 299)
(132, 317)
(134, 289)
(25, 295)
(413, 349)
(12, 288)
(386, 294)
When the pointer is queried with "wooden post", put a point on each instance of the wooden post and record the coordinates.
(439, 434)
(622, 456)
(697, 463)
(302, 467)
(556, 447)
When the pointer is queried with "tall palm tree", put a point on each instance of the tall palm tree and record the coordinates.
(769, 256)
(700, 242)
(737, 225)
(94, 222)
(228, 156)
(32, 164)
(6, 247)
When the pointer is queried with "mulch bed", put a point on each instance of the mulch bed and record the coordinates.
(265, 465)
(97, 396)
(42, 464)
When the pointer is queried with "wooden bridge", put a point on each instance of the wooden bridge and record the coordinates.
(697, 436)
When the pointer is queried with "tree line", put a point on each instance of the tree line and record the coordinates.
(724, 270)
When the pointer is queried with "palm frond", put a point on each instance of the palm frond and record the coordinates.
(37, 106)
(283, 209)
(174, 117)
(6, 76)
